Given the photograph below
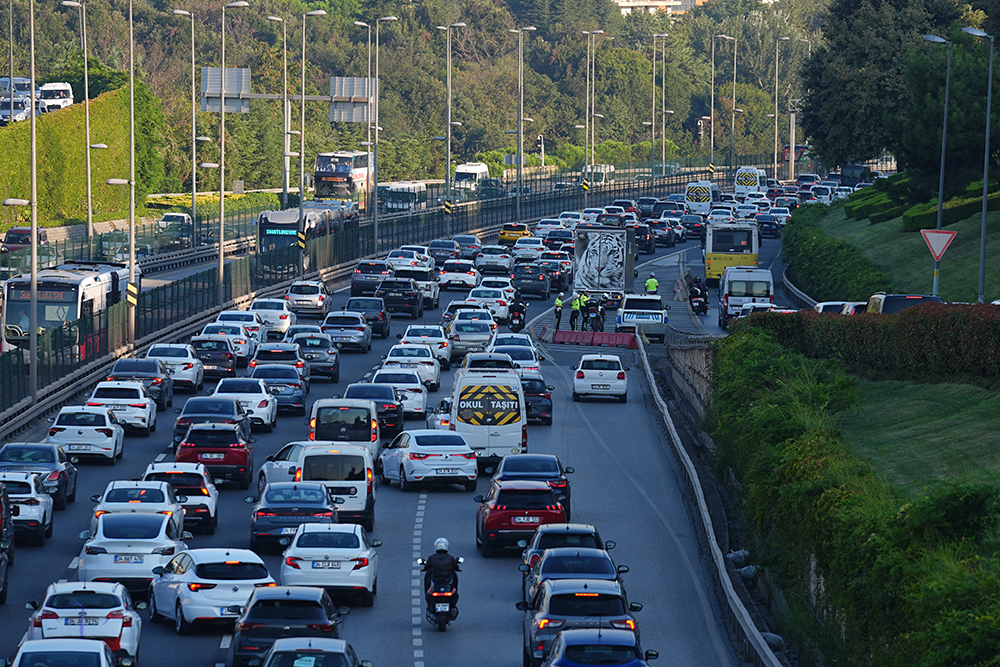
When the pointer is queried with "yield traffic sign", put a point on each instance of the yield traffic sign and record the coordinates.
(938, 241)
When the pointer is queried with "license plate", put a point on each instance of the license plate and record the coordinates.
(407, 365)
(343, 339)
(213, 457)
(310, 356)
(326, 564)
(72, 447)
(289, 530)
(303, 303)
(600, 386)
(395, 294)
(86, 621)
(211, 368)
(228, 611)
(447, 471)
(279, 389)
(442, 606)
(475, 348)
(127, 559)
(526, 519)
(244, 403)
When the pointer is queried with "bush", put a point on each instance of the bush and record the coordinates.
(924, 216)
(882, 216)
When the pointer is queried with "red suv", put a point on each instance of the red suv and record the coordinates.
(222, 449)
(511, 512)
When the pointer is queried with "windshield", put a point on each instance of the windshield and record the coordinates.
(134, 495)
(304, 289)
(586, 604)
(307, 658)
(295, 494)
(208, 406)
(239, 387)
(80, 419)
(334, 468)
(181, 481)
(731, 240)
(231, 571)
(601, 654)
(342, 321)
(410, 351)
(578, 565)
(429, 333)
(117, 392)
(339, 165)
(456, 267)
(56, 305)
(328, 540)
(276, 373)
(397, 378)
(211, 345)
(465, 176)
(167, 352)
(383, 391)
(364, 304)
(343, 423)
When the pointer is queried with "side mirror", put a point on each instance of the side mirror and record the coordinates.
(254, 662)
(376, 543)
(368, 663)
(523, 544)
(343, 611)
(253, 440)
(569, 471)
(460, 560)
(634, 606)
(421, 561)
(74, 459)
(32, 605)
(182, 499)
(126, 661)
(541, 358)
(651, 655)
(623, 569)
(85, 535)
(269, 458)
(338, 501)
(381, 356)
(96, 498)
(52, 420)
(177, 411)
(249, 500)
(628, 368)
(478, 499)
(399, 336)
(185, 535)
(284, 541)
(523, 567)
(609, 545)
(140, 605)
(522, 605)
(158, 570)
(538, 654)
(292, 471)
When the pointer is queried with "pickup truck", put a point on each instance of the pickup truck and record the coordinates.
(644, 312)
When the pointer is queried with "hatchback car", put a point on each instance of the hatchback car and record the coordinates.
(34, 505)
(459, 274)
(553, 535)
(553, 268)
(419, 359)
(286, 386)
(592, 646)
(530, 279)
(540, 468)
(470, 245)
(208, 410)
(132, 406)
(411, 390)
(600, 375)
(420, 457)
(387, 404)
(493, 300)
(375, 311)
(538, 395)
(469, 336)
(569, 563)
(494, 259)
(254, 396)
(217, 355)
(432, 337)
(339, 558)
(124, 548)
(130, 497)
(252, 322)
(511, 232)
(284, 506)
(88, 431)
(243, 343)
(152, 373)
(320, 353)
(49, 462)
(282, 354)
(308, 297)
(182, 361)
(443, 250)
(367, 275)
(193, 481)
(223, 449)
(528, 246)
(512, 510)
(401, 294)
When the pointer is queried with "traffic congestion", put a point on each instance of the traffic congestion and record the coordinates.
(316, 473)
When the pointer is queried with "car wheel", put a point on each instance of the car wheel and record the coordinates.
(268, 427)
(48, 530)
(336, 376)
(201, 385)
(623, 398)
(209, 526)
(487, 549)
(144, 432)
(60, 502)
(369, 348)
(113, 459)
(405, 485)
(40, 538)
(161, 405)
(261, 483)
(302, 411)
(3, 591)
(72, 496)
(382, 479)
(576, 397)
(470, 486)
(170, 401)
(547, 421)
(244, 482)
(367, 599)
(121, 452)
(180, 624)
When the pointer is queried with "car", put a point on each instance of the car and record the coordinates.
(285, 384)
(400, 258)
(768, 226)
(35, 508)
(663, 232)
(524, 358)
(538, 467)
(124, 548)
(244, 344)
(552, 535)
(349, 330)
(312, 650)
(223, 448)
(841, 192)
(94, 611)
(746, 211)
(440, 417)
(600, 375)
(667, 208)
(149, 497)
(401, 294)
(387, 403)
(469, 244)
(861, 186)
(512, 339)
(276, 313)
(493, 300)
(320, 353)
(488, 363)
(511, 232)
(428, 456)
(431, 336)
(308, 297)
(644, 239)
(217, 355)
(469, 336)
(822, 193)
(210, 410)
(152, 373)
(644, 206)
(375, 311)
(339, 558)
(528, 246)
(720, 215)
(419, 359)
(283, 611)
(444, 250)
(459, 274)
(791, 203)
(49, 462)
(88, 431)
(368, 274)
(554, 269)
(695, 226)
(530, 279)
(469, 314)
(589, 646)
(428, 280)
(282, 354)
(611, 219)
(590, 214)
(578, 603)
(627, 205)
(253, 322)
(64, 651)
(132, 406)
(285, 505)
(773, 192)
(254, 396)
(187, 590)
(193, 481)
(181, 360)
(545, 225)
(569, 563)
(511, 511)
(494, 258)
(555, 239)
(571, 218)
(781, 214)
(409, 388)
(423, 256)
(297, 329)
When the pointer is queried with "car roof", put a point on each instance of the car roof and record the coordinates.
(131, 384)
(84, 408)
(577, 636)
(324, 644)
(173, 466)
(353, 528)
(89, 586)
(63, 644)
(213, 427)
(568, 552)
(484, 356)
(133, 484)
(609, 357)
(569, 528)
(278, 346)
(209, 554)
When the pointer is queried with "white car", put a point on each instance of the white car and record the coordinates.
(590, 214)
(188, 369)
(529, 246)
(470, 315)
(432, 336)
(209, 584)
(131, 497)
(545, 225)
(336, 556)
(126, 548)
(754, 197)
(721, 215)
(244, 344)
(841, 192)
(423, 252)
(429, 456)
(408, 385)
(193, 481)
(440, 417)
(495, 258)
(129, 401)
(504, 284)
(98, 611)
(781, 214)
(459, 274)
(600, 375)
(34, 504)
(492, 299)
(401, 258)
(417, 358)
(512, 340)
(528, 358)
(680, 231)
(570, 219)
(68, 652)
(252, 322)
(276, 313)
(746, 211)
(90, 431)
(276, 466)
(254, 396)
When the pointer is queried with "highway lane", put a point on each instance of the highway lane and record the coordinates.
(629, 487)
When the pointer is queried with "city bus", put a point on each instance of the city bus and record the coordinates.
(729, 244)
(344, 175)
(280, 229)
(405, 196)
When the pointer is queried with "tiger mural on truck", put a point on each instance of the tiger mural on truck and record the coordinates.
(600, 262)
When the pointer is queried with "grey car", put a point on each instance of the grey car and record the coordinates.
(320, 353)
(470, 244)
(443, 251)
(286, 386)
(308, 297)
(282, 354)
(469, 336)
(349, 329)
(368, 274)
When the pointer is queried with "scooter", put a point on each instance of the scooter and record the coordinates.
(516, 322)
(595, 318)
(699, 305)
(442, 599)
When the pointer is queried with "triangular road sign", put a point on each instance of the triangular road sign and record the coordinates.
(938, 241)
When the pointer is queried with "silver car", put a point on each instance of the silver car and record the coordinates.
(469, 336)
(308, 297)
(321, 354)
(348, 330)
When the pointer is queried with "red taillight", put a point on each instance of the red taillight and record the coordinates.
(45, 615)
(550, 623)
(261, 513)
(28, 501)
(93, 404)
(370, 476)
(200, 587)
(156, 381)
(290, 561)
(359, 563)
(54, 430)
(524, 438)
(621, 375)
(470, 456)
(106, 431)
(420, 457)
(283, 317)
(263, 403)
(53, 476)
(236, 445)
(243, 627)
(558, 483)
(626, 624)
(187, 444)
(229, 356)
(265, 585)
(137, 405)
(187, 367)
(118, 614)
(322, 627)
(579, 375)
(164, 551)
(227, 421)
(299, 364)
(253, 363)
(388, 406)
(533, 559)
(93, 551)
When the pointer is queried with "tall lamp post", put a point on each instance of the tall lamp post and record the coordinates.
(302, 136)
(711, 140)
(652, 136)
(86, 110)
(448, 123)
(663, 138)
(944, 145)
(286, 110)
(194, 138)
(776, 43)
(986, 166)
(378, 92)
(520, 114)
(732, 138)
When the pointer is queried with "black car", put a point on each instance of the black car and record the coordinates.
(442, 250)
(274, 612)
(49, 462)
(375, 311)
(367, 275)
(217, 354)
(644, 240)
(662, 233)
(555, 535)
(666, 205)
(210, 410)
(554, 269)
(557, 237)
(470, 244)
(538, 468)
(387, 403)
(153, 373)
(695, 226)
(768, 226)
(645, 206)
(284, 506)
(401, 294)
(538, 395)
(530, 279)
(627, 204)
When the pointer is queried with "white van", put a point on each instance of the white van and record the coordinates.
(749, 179)
(490, 412)
(345, 421)
(740, 285)
(468, 176)
(56, 96)
(348, 472)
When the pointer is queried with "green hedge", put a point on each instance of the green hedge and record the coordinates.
(824, 267)
(870, 578)
(924, 216)
(882, 216)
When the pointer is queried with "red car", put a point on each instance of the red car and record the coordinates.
(223, 450)
(512, 510)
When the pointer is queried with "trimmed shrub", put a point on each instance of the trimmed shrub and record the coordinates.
(924, 216)
(882, 216)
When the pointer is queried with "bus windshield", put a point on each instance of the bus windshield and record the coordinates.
(56, 305)
(465, 176)
(271, 235)
(731, 240)
(338, 165)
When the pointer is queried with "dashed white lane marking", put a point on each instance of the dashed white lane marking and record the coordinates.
(73, 564)
(160, 457)
(62, 581)
(227, 640)
(417, 591)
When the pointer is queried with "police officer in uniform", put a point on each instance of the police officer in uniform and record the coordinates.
(559, 307)
(574, 313)
(652, 284)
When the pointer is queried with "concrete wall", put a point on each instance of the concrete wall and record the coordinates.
(691, 371)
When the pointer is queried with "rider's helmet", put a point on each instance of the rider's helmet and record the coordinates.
(697, 279)
(606, 296)
(652, 275)
(441, 545)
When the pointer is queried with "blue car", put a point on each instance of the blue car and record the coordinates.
(586, 647)
(285, 384)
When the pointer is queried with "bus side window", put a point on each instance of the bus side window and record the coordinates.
(87, 308)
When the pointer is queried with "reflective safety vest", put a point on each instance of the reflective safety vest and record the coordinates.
(575, 305)
(651, 285)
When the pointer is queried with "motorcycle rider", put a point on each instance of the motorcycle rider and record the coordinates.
(697, 291)
(559, 307)
(518, 308)
(652, 284)
(441, 564)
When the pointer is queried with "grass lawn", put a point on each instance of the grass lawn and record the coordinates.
(906, 258)
(918, 434)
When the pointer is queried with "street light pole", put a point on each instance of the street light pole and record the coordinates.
(378, 92)
(448, 122)
(520, 116)
(194, 137)
(131, 171)
(776, 43)
(286, 111)
(732, 127)
(368, 106)
(586, 121)
(663, 103)
(302, 137)
(86, 111)
(986, 166)
(652, 138)
(944, 145)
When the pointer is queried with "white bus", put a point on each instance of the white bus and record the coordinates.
(344, 175)
(598, 174)
(406, 196)
(468, 176)
(700, 196)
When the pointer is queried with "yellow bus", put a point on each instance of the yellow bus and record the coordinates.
(730, 244)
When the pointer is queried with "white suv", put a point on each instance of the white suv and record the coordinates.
(148, 497)
(34, 504)
(193, 481)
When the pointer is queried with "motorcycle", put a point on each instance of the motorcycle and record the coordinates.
(516, 322)
(595, 318)
(442, 599)
(699, 305)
